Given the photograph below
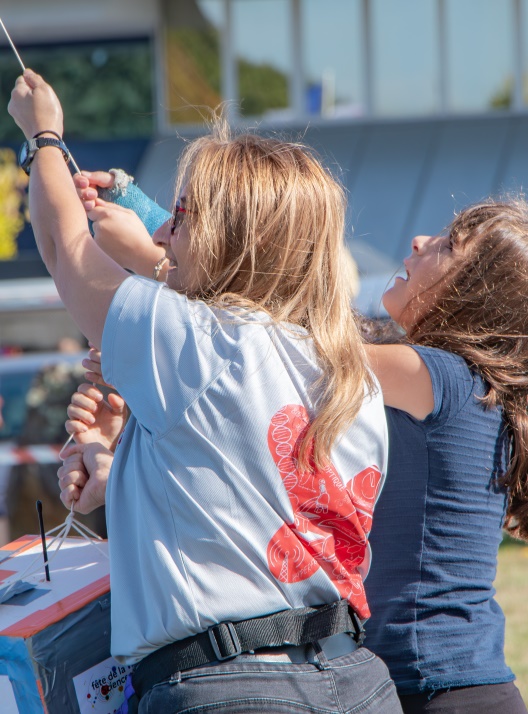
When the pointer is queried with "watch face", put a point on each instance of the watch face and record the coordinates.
(23, 155)
(30, 147)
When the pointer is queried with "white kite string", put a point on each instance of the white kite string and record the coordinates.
(72, 160)
(65, 445)
(12, 45)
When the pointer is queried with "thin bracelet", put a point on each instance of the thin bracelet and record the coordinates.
(158, 267)
(48, 131)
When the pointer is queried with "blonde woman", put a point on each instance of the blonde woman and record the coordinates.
(241, 491)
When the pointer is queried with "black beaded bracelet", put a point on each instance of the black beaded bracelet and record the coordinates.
(48, 131)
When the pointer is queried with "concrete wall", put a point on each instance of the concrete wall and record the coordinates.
(35, 21)
(402, 177)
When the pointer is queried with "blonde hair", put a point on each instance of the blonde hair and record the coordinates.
(266, 225)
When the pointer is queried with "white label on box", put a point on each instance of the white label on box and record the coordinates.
(100, 689)
(7, 696)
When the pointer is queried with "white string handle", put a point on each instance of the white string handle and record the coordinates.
(64, 529)
(65, 445)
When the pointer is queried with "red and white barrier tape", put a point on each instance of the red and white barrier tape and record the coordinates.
(12, 455)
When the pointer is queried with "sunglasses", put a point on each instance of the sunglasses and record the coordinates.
(177, 217)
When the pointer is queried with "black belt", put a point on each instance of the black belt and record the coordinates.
(229, 639)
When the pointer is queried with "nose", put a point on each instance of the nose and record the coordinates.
(161, 235)
(419, 243)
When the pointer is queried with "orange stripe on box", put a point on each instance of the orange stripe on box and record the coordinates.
(16, 544)
(42, 696)
(38, 621)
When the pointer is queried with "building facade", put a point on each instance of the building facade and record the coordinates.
(419, 105)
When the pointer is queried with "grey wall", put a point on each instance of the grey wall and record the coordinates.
(403, 178)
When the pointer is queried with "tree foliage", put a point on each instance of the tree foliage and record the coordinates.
(503, 97)
(105, 88)
(13, 181)
(193, 59)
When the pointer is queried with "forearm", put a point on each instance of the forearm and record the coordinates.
(86, 278)
(144, 258)
(126, 193)
(57, 216)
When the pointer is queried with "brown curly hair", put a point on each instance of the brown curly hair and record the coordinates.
(481, 313)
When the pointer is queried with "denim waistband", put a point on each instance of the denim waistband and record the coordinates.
(333, 647)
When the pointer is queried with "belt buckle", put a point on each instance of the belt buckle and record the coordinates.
(234, 639)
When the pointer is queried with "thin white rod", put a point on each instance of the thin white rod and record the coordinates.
(77, 170)
(12, 45)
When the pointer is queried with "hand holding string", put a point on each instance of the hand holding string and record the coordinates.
(91, 417)
(83, 476)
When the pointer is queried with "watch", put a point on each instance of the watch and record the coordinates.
(30, 147)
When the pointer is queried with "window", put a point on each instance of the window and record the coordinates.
(192, 59)
(479, 54)
(262, 46)
(333, 53)
(405, 57)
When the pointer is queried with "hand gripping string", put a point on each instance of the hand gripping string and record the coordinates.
(63, 531)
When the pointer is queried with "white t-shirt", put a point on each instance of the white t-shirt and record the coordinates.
(208, 517)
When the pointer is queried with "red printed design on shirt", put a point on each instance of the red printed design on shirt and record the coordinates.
(331, 520)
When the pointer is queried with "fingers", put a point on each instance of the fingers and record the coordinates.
(87, 184)
(116, 403)
(34, 105)
(21, 86)
(83, 476)
(82, 410)
(94, 370)
(106, 218)
(103, 179)
(96, 378)
(88, 195)
(97, 209)
(93, 361)
(32, 79)
(85, 403)
(70, 450)
(72, 476)
(72, 472)
(70, 495)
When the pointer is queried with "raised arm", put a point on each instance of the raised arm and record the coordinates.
(123, 205)
(404, 378)
(86, 278)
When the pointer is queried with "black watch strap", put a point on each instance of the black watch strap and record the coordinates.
(30, 147)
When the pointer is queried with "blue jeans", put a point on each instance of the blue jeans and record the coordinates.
(480, 699)
(356, 683)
